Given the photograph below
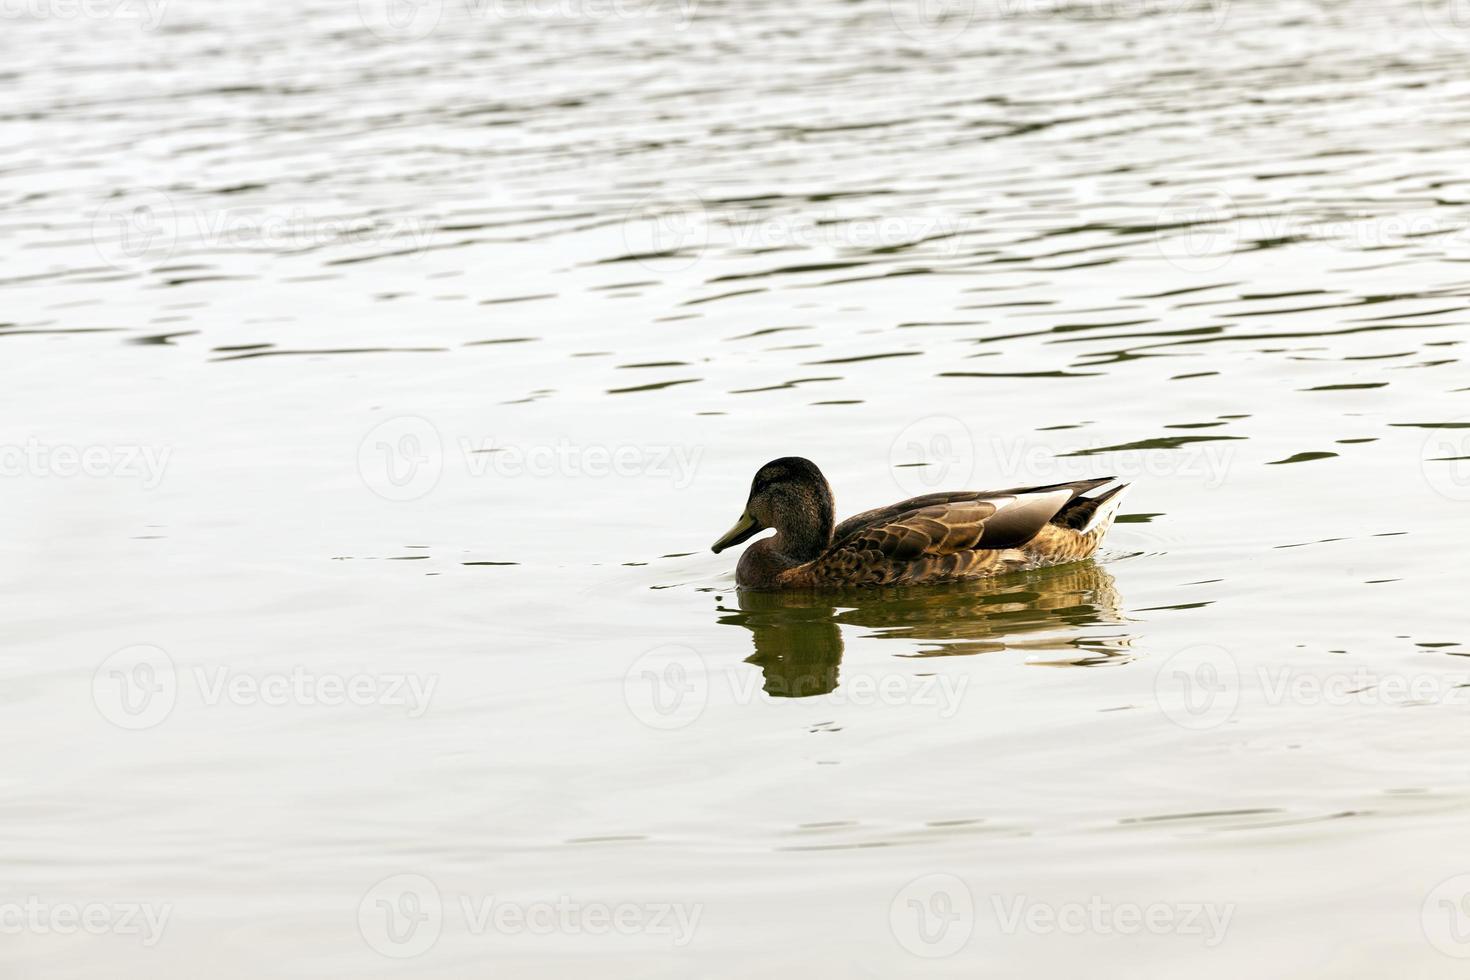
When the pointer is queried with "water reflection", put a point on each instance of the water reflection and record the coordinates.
(798, 645)
(1065, 616)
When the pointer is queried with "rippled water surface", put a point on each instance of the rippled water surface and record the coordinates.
(376, 387)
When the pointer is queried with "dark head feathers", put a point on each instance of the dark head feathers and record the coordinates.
(787, 469)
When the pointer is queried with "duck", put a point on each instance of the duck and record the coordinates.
(938, 537)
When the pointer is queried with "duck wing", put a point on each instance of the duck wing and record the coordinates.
(896, 512)
(945, 536)
(885, 515)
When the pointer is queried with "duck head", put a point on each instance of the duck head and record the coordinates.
(791, 495)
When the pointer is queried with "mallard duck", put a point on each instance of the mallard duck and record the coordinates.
(939, 537)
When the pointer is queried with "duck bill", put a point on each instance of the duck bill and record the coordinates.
(742, 531)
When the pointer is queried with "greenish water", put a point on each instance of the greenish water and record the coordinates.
(374, 400)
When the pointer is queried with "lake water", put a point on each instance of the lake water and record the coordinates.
(377, 380)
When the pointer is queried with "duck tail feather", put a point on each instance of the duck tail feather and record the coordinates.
(1083, 514)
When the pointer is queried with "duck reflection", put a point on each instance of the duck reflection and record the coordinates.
(1069, 615)
(798, 645)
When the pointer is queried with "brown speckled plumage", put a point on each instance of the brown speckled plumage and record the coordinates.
(942, 537)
